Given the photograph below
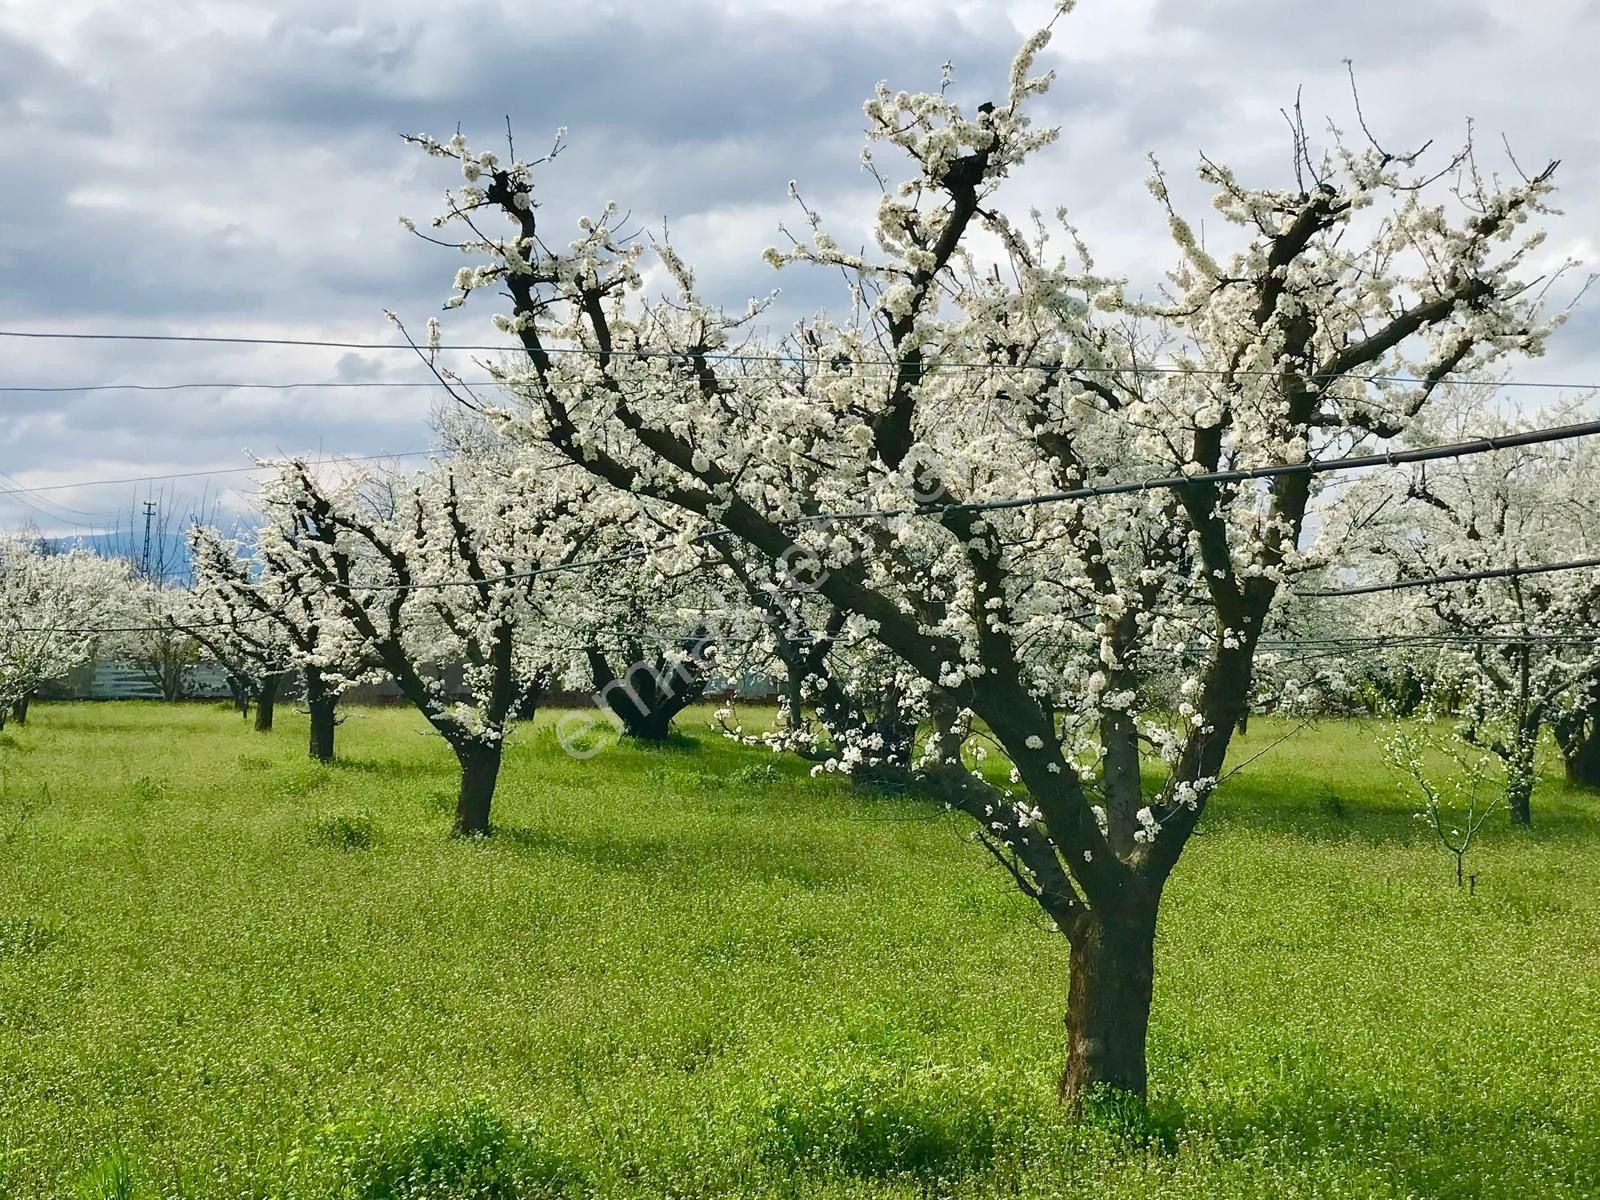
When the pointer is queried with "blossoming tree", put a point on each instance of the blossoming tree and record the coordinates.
(639, 631)
(51, 602)
(890, 447)
(263, 612)
(229, 615)
(416, 574)
(151, 637)
(1516, 654)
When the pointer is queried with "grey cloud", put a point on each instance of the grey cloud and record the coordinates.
(669, 75)
(1370, 31)
(36, 88)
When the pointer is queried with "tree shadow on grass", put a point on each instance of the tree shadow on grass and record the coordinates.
(145, 715)
(695, 858)
(1465, 1147)
(608, 852)
(676, 742)
(380, 767)
(1334, 814)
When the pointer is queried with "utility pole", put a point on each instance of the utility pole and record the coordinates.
(144, 557)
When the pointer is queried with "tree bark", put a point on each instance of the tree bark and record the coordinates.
(1582, 759)
(322, 726)
(480, 769)
(1578, 734)
(267, 702)
(321, 703)
(645, 698)
(1521, 772)
(529, 697)
(1108, 1002)
(794, 694)
(652, 725)
(1519, 799)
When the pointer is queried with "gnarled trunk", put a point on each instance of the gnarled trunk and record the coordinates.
(267, 702)
(652, 725)
(1582, 759)
(643, 698)
(320, 700)
(480, 769)
(1108, 1002)
(1578, 734)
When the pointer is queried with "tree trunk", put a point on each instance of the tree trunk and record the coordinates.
(321, 702)
(1519, 799)
(322, 727)
(529, 697)
(1582, 759)
(1522, 774)
(171, 674)
(266, 702)
(643, 698)
(20, 710)
(1578, 735)
(1108, 1003)
(651, 725)
(794, 684)
(480, 768)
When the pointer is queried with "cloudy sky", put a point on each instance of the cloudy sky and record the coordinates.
(233, 169)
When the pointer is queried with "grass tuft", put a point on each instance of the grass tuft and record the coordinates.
(469, 1152)
(345, 831)
(883, 1120)
(111, 1178)
(21, 936)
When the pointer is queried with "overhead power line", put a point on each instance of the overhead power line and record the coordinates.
(820, 359)
(1314, 467)
(88, 483)
(1392, 458)
(272, 387)
(1368, 589)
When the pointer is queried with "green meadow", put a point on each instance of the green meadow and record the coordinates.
(697, 971)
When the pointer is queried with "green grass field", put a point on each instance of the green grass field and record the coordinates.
(227, 972)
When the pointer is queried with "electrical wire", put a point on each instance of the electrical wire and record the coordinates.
(742, 357)
(1368, 589)
(88, 483)
(1311, 467)
(275, 387)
